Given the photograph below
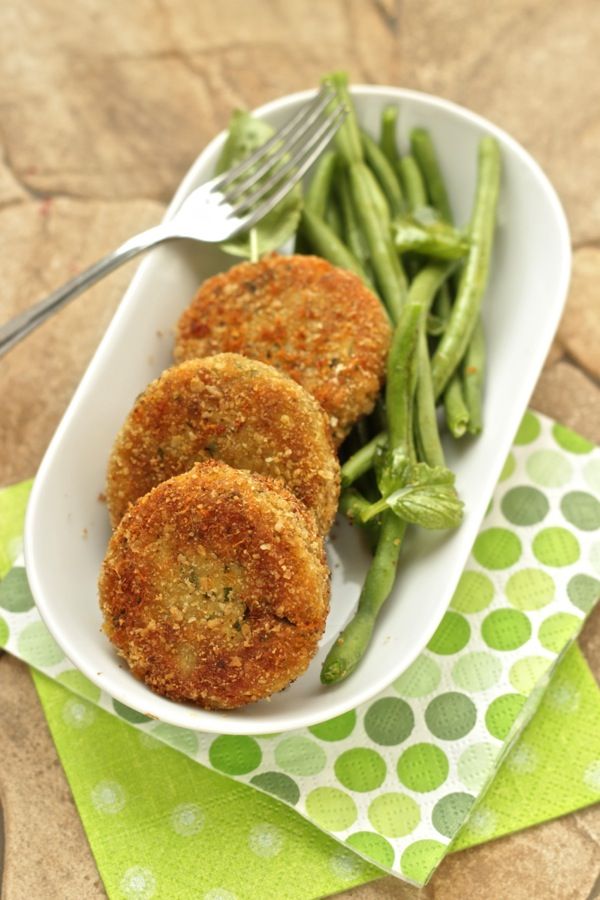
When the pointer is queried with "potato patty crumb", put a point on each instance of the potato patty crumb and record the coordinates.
(230, 408)
(316, 322)
(207, 600)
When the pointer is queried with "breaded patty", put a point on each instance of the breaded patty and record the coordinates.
(215, 587)
(316, 322)
(230, 408)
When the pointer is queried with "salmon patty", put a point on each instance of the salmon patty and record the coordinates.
(316, 322)
(215, 587)
(230, 408)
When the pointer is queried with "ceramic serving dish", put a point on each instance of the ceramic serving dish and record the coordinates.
(67, 527)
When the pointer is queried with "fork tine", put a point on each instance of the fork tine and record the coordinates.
(319, 102)
(262, 189)
(293, 136)
(303, 166)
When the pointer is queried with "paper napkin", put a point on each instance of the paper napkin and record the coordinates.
(396, 779)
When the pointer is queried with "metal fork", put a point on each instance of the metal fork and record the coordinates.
(232, 202)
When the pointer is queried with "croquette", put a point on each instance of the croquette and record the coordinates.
(316, 322)
(215, 587)
(230, 408)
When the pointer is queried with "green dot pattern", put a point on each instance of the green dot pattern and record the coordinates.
(525, 673)
(331, 808)
(421, 678)
(475, 765)
(506, 629)
(420, 858)
(335, 729)
(79, 684)
(477, 671)
(525, 505)
(584, 592)
(509, 467)
(235, 755)
(130, 715)
(497, 548)
(389, 721)
(423, 768)
(581, 509)
(15, 595)
(569, 440)
(360, 769)
(549, 468)
(394, 815)
(529, 429)
(501, 714)
(300, 756)
(452, 635)
(4, 632)
(281, 786)
(38, 647)
(556, 547)
(557, 630)
(181, 738)
(374, 846)
(450, 812)
(530, 589)
(474, 592)
(450, 716)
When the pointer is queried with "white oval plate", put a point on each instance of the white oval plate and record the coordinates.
(67, 527)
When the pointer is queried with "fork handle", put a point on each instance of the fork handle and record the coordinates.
(22, 324)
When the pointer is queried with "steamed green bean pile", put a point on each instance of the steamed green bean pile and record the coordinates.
(383, 212)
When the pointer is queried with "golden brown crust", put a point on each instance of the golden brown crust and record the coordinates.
(316, 322)
(230, 408)
(215, 587)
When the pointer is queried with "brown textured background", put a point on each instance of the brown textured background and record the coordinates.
(103, 106)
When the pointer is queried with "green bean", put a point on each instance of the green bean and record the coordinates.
(378, 198)
(387, 136)
(383, 213)
(347, 138)
(473, 280)
(326, 243)
(426, 431)
(384, 173)
(424, 152)
(457, 414)
(427, 283)
(473, 365)
(422, 291)
(435, 325)
(390, 278)
(439, 240)
(402, 379)
(352, 503)
(319, 189)
(351, 645)
(362, 461)
(333, 218)
(412, 182)
(353, 235)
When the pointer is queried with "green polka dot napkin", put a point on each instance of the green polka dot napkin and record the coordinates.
(397, 779)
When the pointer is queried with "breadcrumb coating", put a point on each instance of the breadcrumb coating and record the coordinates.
(215, 587)
(230, 408)
(316, 322)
